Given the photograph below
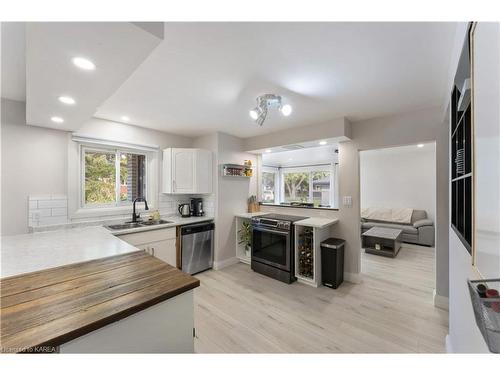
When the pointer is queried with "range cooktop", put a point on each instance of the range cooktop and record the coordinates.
(290, 218)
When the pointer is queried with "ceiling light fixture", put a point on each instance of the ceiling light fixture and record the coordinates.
(67, 100)
(57, 119)
(420, 145)
(322, 143)
(83, 63)
(264, 102)
(125, 118)
(268, 151)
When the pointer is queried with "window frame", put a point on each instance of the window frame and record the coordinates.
(331, 168)
(277, 183)
(77, 209)
(117, 152)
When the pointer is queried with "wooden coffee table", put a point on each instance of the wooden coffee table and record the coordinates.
(382, 241)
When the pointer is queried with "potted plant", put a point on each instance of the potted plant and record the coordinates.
(245, 233)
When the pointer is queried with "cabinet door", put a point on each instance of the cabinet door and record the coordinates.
(165, 250)
(183, 167)
(204, 171)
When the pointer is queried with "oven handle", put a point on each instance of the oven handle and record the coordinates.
(262, 229)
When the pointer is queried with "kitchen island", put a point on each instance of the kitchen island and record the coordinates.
(85, 291)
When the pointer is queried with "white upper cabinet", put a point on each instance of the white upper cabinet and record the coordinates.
(187, 171)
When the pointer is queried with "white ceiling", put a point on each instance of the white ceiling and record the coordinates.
(205, 77)
(13, 61)
(116, 48)
(306, 156)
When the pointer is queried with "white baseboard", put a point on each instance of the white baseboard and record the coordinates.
(354, 278)
(218, 265)
(440, 301)
(449, 348)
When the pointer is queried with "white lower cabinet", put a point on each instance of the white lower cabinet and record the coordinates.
(161, 243)
(164, 250)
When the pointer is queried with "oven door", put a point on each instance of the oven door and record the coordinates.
(271, 246)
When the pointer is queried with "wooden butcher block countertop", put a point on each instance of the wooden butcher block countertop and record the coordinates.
(50, 307)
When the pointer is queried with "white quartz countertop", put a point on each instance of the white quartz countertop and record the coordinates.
(317, 222)
(37, 251)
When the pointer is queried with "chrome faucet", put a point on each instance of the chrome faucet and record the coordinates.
(135, 216)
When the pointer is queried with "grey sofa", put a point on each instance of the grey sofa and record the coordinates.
(420, 231)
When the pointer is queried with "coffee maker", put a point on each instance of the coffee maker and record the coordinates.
(197, 207)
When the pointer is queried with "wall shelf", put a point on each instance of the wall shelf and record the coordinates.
(236, 170)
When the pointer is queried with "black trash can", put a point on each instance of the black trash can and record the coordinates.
(332, 262)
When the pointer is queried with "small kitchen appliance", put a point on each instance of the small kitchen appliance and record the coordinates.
(197, 207)
(184, 210)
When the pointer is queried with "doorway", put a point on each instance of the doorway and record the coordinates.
(398, 217)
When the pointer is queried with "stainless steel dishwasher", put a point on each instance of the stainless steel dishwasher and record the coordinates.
(197, 247)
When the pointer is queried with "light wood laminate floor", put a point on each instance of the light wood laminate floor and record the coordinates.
(391, 310)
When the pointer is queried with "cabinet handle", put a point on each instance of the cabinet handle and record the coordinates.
(153, 251)
(174, 185)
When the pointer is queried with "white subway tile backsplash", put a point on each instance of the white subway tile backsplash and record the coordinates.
(52, 209)
(56, 203)
(47, 209)
(39, 197)
(40, 212)
(50, 220)
(59, 211)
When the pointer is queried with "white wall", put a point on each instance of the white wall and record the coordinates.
(33, 162)
(399, 177)
(232, 195)
(34, 159)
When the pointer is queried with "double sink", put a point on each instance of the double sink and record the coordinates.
(137, 224)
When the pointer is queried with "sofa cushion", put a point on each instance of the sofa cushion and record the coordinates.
(418, 215)
(410, 229)
(423, 222)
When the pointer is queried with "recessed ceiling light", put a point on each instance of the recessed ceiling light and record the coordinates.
(57, 119)
(290, 159)
(67, 100)
(420, 145)
(268, 150)
(322, 143)
(83, 63)
(125, 118)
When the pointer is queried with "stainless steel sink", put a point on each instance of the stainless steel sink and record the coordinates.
(154, 222)
(123, 226)
(138, 224)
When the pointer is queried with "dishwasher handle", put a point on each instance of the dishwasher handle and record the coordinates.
(196, 228)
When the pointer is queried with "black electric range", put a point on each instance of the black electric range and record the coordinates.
(273, 246)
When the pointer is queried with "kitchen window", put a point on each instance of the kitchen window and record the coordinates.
(104, 177)
(112, 177)
(270, 191)
(314, 186)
